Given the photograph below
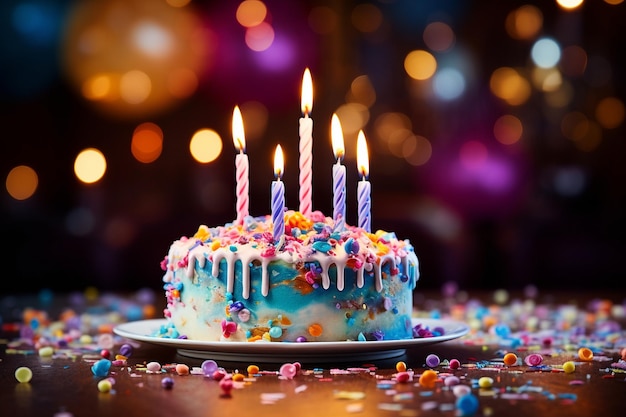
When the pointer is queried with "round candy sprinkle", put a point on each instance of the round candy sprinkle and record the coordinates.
(451, 381)
(316, 330)
(153, 366)
(288, 370)
(23, 374)
(569, 367)
(467, 405)
(428, 378)
(403, 377)
(167, 382)
(126, 350)
(485, 382)
(209, 367)
(182, 369)
(101, 367)
(400, 366)
(585, 354)
(253, 369)
(105, 385)
(238, 377)
(275, 332)
(454, 364)
(218, 374)
(432, 360)
(510, 359)
(46, 351)
(105, 353)
(105, 341)
(226, 385)
(534, 359)
(461, 390)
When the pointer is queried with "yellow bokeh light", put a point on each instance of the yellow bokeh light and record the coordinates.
(90, 165)
(147, 142)
(135, 87)
(362, 91)
(547, 79)
(417, 150)
(508, 129)
(420, 64)
(614, 2)
(251, 13)
(205, 146)
(610, 112)
(22, 182)
(524, 22)
(98, 87)
(439, 36)
(260, 37)
(366, 17)
(507, 83)
(569, 4)
(353, 116)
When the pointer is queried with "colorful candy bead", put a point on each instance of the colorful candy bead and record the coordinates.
(253, 369)
(182, 369)
(569, 367)
(23, 374)
(432, 360)
(510, 359)
(126, 350)
(585, 354)
(105, 385)
(400, 366)
(226, 385)
(46, 351)
(534, 359)
(101, 367)
(428, 378)
(467, 405)
(153, 367)
(288, 370)
(485, 382)
(454, 364)
(167, 382)
(209, 367)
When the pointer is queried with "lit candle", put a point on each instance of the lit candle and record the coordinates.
(306, 145)
(339, 175)
(364, 188)
(242, 167)
(278, 196)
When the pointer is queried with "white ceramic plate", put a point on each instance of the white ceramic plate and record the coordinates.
(143, 331)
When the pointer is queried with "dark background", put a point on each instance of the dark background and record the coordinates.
(559, 222)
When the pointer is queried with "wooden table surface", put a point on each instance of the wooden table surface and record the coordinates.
(64, 383)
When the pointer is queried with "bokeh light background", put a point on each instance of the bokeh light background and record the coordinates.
(496, 131)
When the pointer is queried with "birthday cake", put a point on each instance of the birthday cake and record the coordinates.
(237, 283)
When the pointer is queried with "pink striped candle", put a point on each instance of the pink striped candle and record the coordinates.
(339, 176)
(306, 145)
(278, 196)
(364, 188)
(242, 167)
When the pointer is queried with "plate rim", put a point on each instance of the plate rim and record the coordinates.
(130, 330)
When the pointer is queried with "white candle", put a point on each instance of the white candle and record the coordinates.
(339, 175)
(241, 167)
(364, 188)
(306, 145)
(278, 196)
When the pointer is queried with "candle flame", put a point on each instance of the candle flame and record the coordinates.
(336, 134)
(279, 162)
(362, 157)
(238, 134)
(307, 93)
